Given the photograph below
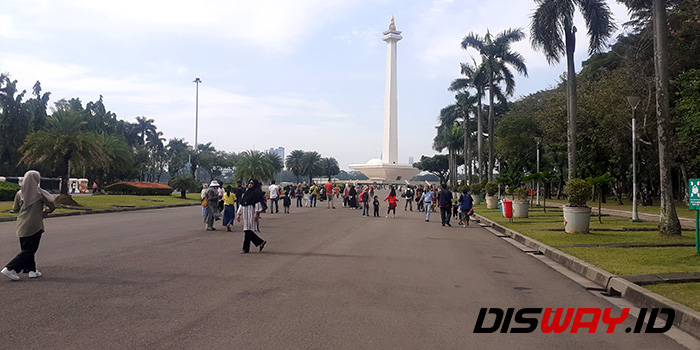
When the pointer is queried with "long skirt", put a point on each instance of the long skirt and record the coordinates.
(229, 214)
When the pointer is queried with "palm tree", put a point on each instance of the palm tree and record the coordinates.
(496, 56)
(276, 161)
(330, 167)
(311, 165)
(144, 128)
(552, 30)
(449, 136)
(293, 163)
(62, 145)
(476, 79)
(254, 164)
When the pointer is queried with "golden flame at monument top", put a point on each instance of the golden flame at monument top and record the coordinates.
(392, 25)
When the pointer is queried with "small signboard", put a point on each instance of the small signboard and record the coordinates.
(694, 194)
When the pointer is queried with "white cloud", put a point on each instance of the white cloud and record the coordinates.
(274, 25)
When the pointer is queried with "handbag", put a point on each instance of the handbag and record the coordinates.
(204, 202)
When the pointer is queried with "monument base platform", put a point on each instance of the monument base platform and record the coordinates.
(385, 172)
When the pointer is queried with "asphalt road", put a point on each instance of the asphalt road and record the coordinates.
(327, 279)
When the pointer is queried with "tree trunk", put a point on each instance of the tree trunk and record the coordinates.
(684, 175)
(467, 152)
(570, 31)
(480, 139)
(668, 219)
(491, 138)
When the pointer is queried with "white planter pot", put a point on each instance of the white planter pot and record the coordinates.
(520, 209)
(577, 219)
(491, 202)
(476, 198)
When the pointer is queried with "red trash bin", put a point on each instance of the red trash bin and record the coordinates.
(507, 208)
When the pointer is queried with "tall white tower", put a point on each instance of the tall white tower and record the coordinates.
(387, 169)
(390, 146)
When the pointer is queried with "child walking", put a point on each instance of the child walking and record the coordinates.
(286, 201)
(376, 206)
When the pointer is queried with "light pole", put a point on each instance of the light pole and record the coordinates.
(634, 101)
(196, 112)
(538, 140)
(196, 120)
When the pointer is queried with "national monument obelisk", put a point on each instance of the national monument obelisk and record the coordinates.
(387, 170)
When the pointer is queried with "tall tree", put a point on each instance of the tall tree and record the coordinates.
(14, 126)
(254, 164)
(276, 161)
(497, 56)
(144, 128)
(294, 163)
(668, 219)
(330, 167)
(311, 165)
(552, 30)
(476, 79)
(62, 145)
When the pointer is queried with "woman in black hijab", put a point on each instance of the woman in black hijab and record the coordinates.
(250, 207)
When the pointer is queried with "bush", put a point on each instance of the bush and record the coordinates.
(578, 191)
(491, 188)
(184, 184)
(477, 188)
(8, 191)
(139, 188)
(521, 193)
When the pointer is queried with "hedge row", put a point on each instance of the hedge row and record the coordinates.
(139, 188)
(8, 191)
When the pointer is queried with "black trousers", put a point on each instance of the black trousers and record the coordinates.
(275, 205)
(24, 261)
(445, 214)
(250, 236)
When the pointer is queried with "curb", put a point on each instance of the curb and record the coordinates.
(686, 318)
(104, 211)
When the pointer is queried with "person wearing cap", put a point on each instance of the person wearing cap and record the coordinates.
(212, 209)
(30, 201)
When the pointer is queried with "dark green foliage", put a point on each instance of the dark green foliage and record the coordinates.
(579, 191)
(184, 184)
(491, 188)
(8, 191)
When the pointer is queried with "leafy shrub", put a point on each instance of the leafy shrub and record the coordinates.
(185, 184)
(578, 191)
(139, 188)
(477, 188)
(521, 193)
(8, 191)
(491, 188)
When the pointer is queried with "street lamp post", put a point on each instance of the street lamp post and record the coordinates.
(196, 112)
(538, 140)
(634, 101)
(196, 119)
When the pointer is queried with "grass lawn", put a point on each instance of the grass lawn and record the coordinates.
(111, 201)
(681, 207)
(621, 261)
(687, 294)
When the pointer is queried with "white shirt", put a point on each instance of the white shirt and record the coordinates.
(274, 191)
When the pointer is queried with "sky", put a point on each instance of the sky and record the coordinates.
(300, 74)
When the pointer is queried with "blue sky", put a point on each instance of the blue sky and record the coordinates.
(301, 74)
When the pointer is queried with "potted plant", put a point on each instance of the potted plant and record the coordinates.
(577, 215)
(476, 190)
(491, 188)
(521, 204)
